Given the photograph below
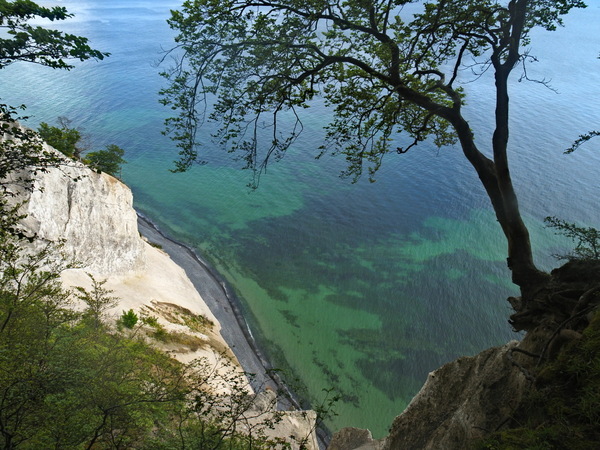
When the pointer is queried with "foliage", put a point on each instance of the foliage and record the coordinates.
(582, 139)
(97, 300)
(562, 411)
(391, 71)
(182, 316)
(160, 334)
(109, 160)
(197, 322)
(587, 239)
(63, 139)
(66, 382)
(155, 245)
(377, 63)
(151, 321)
(22, 41)
(129, 319)
(62, 383)
(67, 141)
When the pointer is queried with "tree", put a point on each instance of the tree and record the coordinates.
(383, 66)
(67, 141)
(128, 319)
(63, 139)
(32, 306)
(108, 160)
(22, 41)
(97, 300)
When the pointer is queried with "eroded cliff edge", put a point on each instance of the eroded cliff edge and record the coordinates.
(541, 392)
(92, 215)
(460, 402)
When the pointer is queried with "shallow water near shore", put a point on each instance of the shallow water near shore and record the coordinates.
(362, 288)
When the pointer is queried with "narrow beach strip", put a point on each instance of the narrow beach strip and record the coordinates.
(226, 307)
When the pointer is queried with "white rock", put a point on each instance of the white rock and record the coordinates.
(92, 212)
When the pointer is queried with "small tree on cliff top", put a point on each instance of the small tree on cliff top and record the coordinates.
(108, 160)
(384, 66)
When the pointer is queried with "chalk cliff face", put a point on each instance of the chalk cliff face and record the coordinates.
(92, 212)
(460, 402)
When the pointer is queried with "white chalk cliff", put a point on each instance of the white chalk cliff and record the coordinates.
(92, 214)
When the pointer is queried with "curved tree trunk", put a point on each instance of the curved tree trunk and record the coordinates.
(494, 173)
(496, 179)
(520, 258)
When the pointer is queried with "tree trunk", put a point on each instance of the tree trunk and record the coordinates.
(495, 177)
(494, 173)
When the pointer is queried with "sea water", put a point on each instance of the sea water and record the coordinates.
(360, 288)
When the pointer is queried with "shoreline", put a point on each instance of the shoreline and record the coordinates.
(226, 307)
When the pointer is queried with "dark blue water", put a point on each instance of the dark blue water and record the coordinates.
(363, 288)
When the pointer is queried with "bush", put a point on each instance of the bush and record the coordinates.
(129, 319)
(587, 239)
(151, 321)
(109, 160)
(64, 139)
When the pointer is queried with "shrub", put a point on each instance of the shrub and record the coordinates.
(64, 139)
(108, 160)
(129, 319)
(587, 239)
(151, 321)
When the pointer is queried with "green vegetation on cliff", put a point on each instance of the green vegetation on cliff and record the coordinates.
(66, 140)
(70, 380)
(561, 410)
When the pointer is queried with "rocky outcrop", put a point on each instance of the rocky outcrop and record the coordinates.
(91, 212)
(355, 439)
(460, 402)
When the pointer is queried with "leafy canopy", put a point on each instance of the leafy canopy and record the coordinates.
(22, 41)
(67, 140)
(63, 139)
(382, 66)
(108, 160)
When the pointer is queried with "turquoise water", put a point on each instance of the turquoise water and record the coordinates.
(363, 288)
